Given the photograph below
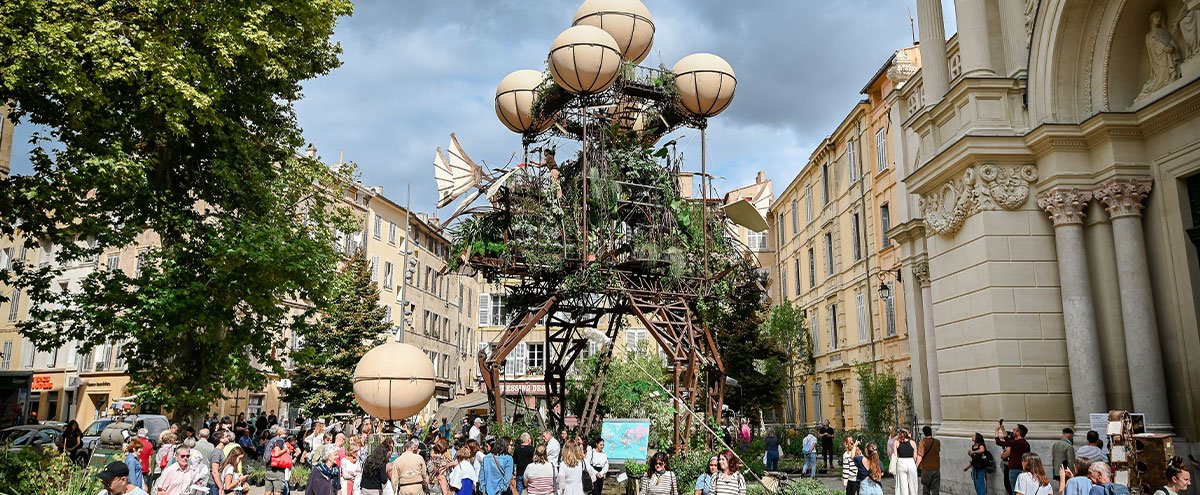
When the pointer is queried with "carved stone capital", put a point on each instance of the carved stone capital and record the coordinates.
(983, 187)
(920, 270)
(1123, 197)
(1066, 206)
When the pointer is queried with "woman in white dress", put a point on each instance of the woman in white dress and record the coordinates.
(571, 470)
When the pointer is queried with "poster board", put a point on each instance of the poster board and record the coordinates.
(626, 439)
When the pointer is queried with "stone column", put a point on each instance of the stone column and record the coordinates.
(973, 38)
(1067, 208)
(1016, 36)
(935, 67)
(1123, 200)
(921, 272)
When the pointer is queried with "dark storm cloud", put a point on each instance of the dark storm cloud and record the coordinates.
(416, 70)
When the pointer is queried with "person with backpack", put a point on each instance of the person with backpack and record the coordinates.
(277, 459)
(1102, 484)
(981, 464)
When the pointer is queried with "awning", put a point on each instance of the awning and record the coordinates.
(455, 410)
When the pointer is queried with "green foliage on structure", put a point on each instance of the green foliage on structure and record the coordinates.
(323, 378)
(174, 118)
(631, 390)
(880, 391)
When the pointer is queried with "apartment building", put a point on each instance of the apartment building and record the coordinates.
(835, 262)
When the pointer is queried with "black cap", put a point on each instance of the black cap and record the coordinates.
(113, 470)
(1068, 431)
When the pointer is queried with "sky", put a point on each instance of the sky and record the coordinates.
(416, 70)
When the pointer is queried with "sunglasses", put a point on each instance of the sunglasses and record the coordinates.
(183, 456)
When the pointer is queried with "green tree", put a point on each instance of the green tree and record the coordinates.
(631, 390)
(754, 355)
(174, 118)
(322, 380)
(880, 390)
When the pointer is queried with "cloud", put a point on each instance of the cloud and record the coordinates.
(417, 70)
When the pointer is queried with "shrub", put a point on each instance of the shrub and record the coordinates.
(690, 465)
(635, 469)
(46, 472)
(300, 476)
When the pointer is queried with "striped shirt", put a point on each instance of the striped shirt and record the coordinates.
(660, 484)
(724, 484)
(849, 470)
(539, 478)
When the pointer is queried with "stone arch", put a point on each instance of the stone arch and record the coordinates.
(1089, 56)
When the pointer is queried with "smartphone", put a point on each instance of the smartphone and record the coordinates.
(1064, 466)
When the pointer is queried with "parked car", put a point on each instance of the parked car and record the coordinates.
(37, 437)
(154, 424)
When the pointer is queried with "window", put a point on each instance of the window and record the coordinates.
(779, 231)
(103, 357)
(783, 281)
(118, 361)
(378, 226)
(885, 223)
(535, 357)
(113, 263)
(815, 317)
(445, 366)
(757, 241)
(881, 149)
(387, 314)
(388, 268)
(254, 405)
(817, 403)
(852, 157)
(825, 184)
(829, 254)
(855, 237)
(812, 268)
(637, 340)
(52, 359)
(803, 405)
(808, 206)
(88, 361)
(139, 263)
(14, 305)
(27, 354)
(514, 364)
(798, 277)
(833, 326)
(428, 277)
(6, 359)
(861, 305)
(6, 254)
(375, 269)
(392, 233)
(795, 217)
(889, 310)
(485, 309)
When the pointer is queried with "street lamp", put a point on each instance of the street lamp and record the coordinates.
(885, 289)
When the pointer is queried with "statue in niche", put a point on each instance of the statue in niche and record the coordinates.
(1188, 27)
(1163, 55)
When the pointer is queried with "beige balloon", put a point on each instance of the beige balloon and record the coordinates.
(394, 381)
(584, 60)
(627, 21)
(514, 101)
(706, 84)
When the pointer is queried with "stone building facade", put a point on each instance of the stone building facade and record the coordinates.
(1050, 165)
(836, 264)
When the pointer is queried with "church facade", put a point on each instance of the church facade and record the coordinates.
(1049, 157)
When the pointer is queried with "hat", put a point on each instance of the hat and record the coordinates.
(479, 421)
(141, 433)
(113, 470)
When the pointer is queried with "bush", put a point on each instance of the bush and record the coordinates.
(46, 472)
(635, 469)
(807, 486)
(514, 429)
(690, 465)
(255, 470)
(300, 476)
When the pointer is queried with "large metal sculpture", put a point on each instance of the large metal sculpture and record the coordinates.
(614, 231)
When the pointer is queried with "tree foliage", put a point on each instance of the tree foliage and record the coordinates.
(174, 118)
(786, 328)
(631, 390)
(323, 376)
(880, 390)
(753, 355)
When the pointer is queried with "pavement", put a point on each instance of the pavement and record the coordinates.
(831, 482)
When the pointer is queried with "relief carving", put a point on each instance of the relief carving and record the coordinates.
(1123, 197)
(920, 271)
(1163, 55)
(1188, 27)
(984, 187)
(1065, 206)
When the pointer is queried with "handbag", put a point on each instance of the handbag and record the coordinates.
(892, 465)
(283, 461)
(587, 478)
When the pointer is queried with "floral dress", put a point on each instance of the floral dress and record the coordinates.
(438, 466)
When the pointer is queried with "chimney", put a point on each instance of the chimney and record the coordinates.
(310, 151)
(760, 178)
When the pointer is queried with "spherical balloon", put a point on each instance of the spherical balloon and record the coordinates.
(584, 60)
(627, 21)
(514, 101)
(706, 84)
(394, 381)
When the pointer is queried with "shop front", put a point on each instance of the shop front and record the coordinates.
(50, 398)
(98, 393)
(14, 398)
